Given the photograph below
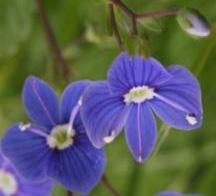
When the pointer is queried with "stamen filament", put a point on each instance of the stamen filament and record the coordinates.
(33, 129)
(73, 116)
(172, 103)
(189, 116)
(39, 132)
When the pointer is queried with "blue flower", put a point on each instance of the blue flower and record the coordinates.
(172, 193)
(13, 184)
(55, 145)
(135, 89)
(169, 193)
(192, 22)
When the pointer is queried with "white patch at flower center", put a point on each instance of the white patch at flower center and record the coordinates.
(61, 137)
(139, 94)
(8, 183)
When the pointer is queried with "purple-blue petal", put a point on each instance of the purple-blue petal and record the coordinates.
(140, 132)
(28, 188)
(103, 114)
(183, 89)
(169, 193)
(128, 72)
(70, 98)
(27, 151)
(40, 102)
(78, 168)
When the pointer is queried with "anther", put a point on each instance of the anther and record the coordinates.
(24, 127)
(191, 119)
(110, 138)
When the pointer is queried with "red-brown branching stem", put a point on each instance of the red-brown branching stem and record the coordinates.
(135, 16)
(115, 26)
(51, 39)
(69, 193)
(109, 187)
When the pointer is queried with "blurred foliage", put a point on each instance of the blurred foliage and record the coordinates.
(187, 161)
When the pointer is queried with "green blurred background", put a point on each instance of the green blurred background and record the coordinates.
(186, 161)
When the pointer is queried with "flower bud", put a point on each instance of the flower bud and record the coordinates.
(191, 21)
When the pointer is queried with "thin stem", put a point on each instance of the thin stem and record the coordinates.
(114, 26)
(134, 25)
(202, 57)
(134, 179)
(128, 12)
(69, 193)
(132, 14)
(164, 132)
(109, 187)
(54, 47)
(159, 13)
(123, 7)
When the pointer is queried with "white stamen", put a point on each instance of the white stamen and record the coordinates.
(139, 94)
(191, 119)
(24, 127)
(80, 101)
(109, 138)
(140, 159)
(73, 115)
(8, 183)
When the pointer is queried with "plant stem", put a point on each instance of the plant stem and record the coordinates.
(129, 12)
(123, 7)
(135, 16)
(134, 25)
(54, 47)
(164, 132)
(69, 193)
(114, 26)
(200, 61)
(109, 187)
(159, 13)
(134, 179)
(132, 14)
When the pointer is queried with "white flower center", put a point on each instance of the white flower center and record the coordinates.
(8, 183)
(61, 137)
(139, 94)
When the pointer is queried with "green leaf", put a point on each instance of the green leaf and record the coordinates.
(151, 25)
(123, 21)
(135, 44)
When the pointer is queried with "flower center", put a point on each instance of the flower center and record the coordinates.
(8, 184)
(139, 94)
(61, 137)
